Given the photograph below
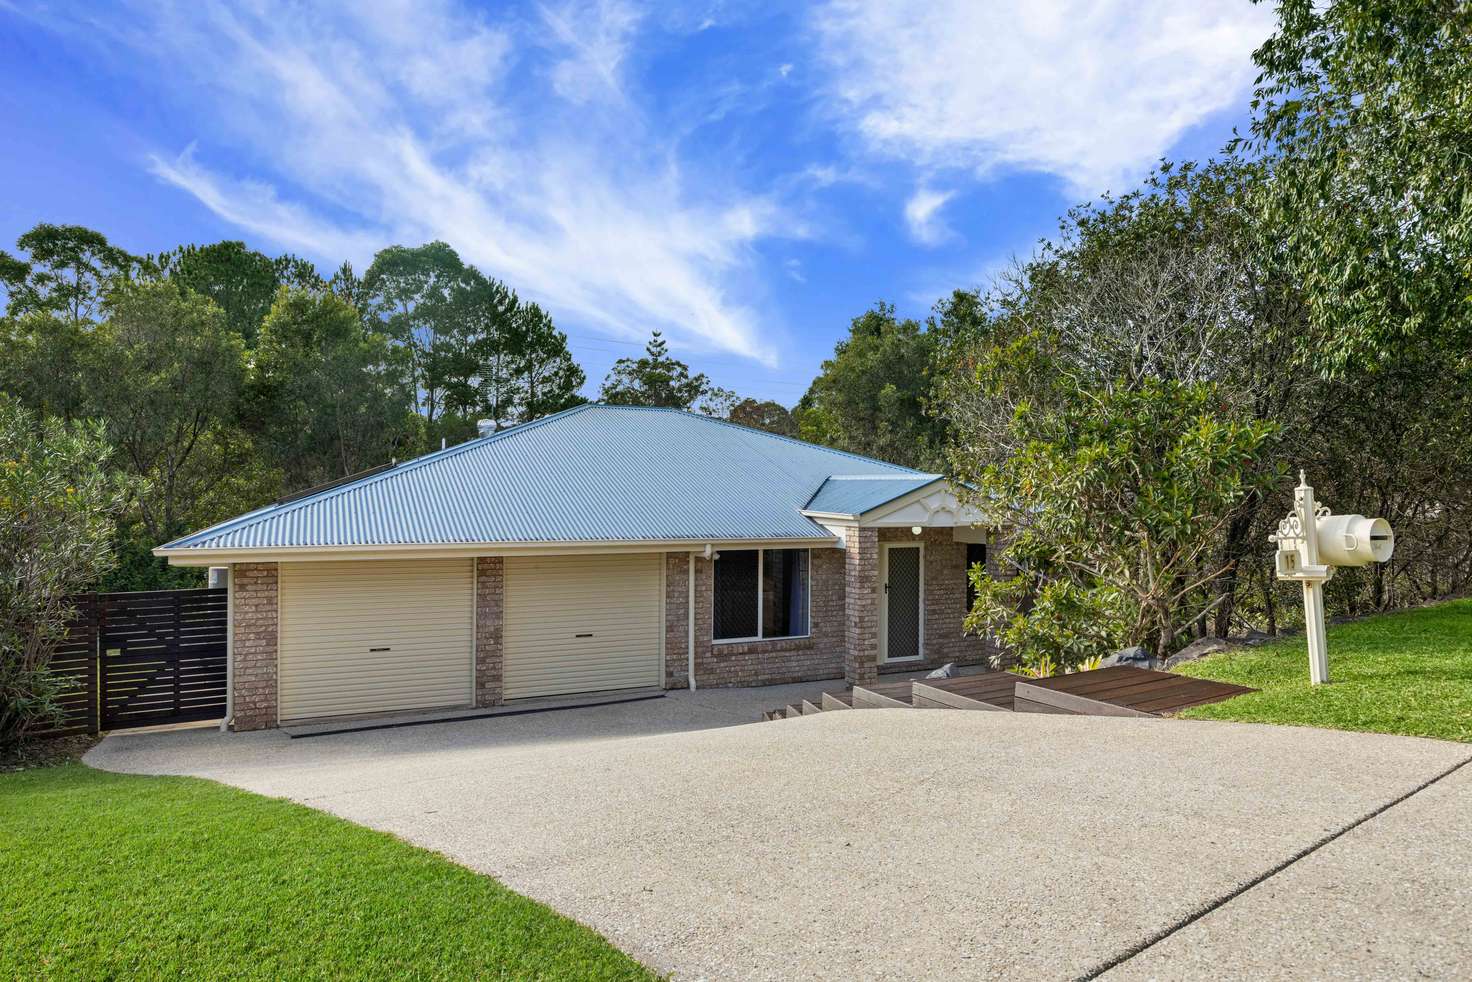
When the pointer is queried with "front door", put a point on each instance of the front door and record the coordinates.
(901, 576)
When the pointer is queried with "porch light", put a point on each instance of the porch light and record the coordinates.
(914, 530)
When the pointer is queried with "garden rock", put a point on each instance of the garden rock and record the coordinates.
(1199, 648)
(1134, 656)
(944, 672)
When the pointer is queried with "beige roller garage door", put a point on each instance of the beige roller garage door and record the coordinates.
(370, 637)
(582, 624)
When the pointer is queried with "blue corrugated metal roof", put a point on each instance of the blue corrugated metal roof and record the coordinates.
(594, 473)
(854, 494)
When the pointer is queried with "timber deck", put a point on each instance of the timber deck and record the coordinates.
(1120, 691)
(989, 690)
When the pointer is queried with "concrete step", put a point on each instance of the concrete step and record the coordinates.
(884, 695)
(838, 700)
(794, 711)
(809, 707)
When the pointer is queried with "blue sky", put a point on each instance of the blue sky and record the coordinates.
(746, 177)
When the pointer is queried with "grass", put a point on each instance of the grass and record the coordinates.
(110, 876)
(1408, 672)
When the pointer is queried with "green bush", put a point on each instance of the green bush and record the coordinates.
(57, 510)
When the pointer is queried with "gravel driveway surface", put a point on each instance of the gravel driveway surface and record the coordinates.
(913, 843)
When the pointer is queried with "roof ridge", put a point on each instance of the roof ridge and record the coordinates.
(880, 477)
(406, 467)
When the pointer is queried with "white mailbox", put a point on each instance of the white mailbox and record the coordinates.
(1311, 543)
(1354, 540)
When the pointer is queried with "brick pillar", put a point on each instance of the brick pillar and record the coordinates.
(676, 623)
(861, 605)
(705, 585)
(490, 605)
(254, 613)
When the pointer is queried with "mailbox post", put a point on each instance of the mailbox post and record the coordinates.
(1312, 542)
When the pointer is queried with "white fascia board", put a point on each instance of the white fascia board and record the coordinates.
(302, 554)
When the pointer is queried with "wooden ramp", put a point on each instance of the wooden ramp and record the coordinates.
(1120, 691)
(987, 691)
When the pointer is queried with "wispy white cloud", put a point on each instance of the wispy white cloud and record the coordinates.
(1089, 90)
(347, 128)
(253, 205)
(922, 215)
(594, 36)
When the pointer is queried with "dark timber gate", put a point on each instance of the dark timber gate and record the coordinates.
(161, 656)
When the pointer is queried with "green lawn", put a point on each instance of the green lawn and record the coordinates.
(1408, 672)
(108, 876)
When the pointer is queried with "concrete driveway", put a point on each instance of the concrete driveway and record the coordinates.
(915, 843)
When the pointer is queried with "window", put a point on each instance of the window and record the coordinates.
(736, 594)
(759, 594)
(975, 555)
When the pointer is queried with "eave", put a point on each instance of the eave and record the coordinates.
(198, 556)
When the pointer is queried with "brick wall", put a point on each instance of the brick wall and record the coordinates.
(945, 601)
(490, 602)
(676, 629)
(817, 656)
(861, 611)
(254, 624)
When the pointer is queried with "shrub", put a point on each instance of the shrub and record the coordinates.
(57, 511)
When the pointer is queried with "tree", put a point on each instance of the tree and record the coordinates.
(240, 280)
(1179, 281)
(1400, 448)
(765, 415)
(716, 401)
(326, 398)
(414, 288)
(656, 379)
(43, 363)
(165, 375)
(548, 378)
(870, 397)
(504, 360)
(480, 364)
(350, 288)
(1115, 498)
(1362, 110)
(67, 271)
(58, 502)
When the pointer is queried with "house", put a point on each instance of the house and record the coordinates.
(602, 548)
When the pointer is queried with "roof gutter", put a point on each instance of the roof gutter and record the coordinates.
(202, 556)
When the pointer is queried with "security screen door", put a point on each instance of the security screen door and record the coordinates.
(902, 594)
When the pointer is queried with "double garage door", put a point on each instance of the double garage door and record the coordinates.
(387, 636)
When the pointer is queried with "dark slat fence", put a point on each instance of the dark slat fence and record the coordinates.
(140, 659)
(76, 663)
